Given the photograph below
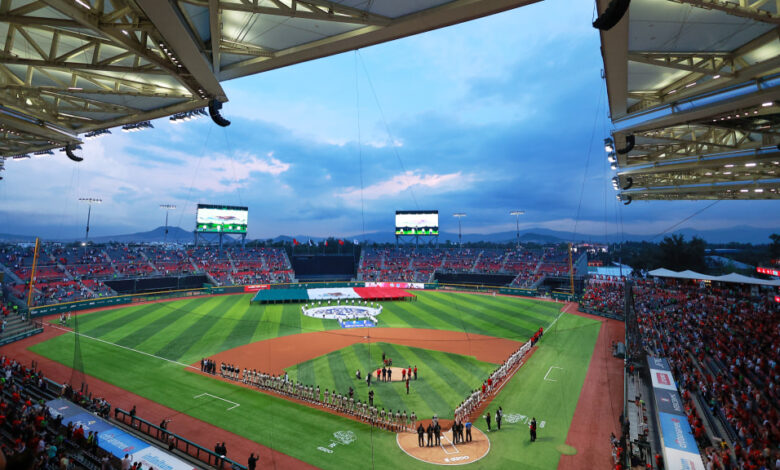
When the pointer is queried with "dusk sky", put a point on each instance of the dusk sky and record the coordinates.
(484, 117)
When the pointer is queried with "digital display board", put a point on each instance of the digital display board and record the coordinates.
(416, 222)
(221, 219)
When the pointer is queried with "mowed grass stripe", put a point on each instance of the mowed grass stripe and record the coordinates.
(269, 325)
(396, 316)
(470, 372)
(243, 329)
(449, 318)
(290, 323)
(488, 315)
(143, 331)
(422, 388)
(338, 370)
(161, 340)
(205, 335)
(476, 321)
(119, 319)
(416, 315)
(440, 377)
(515, 309)
(512, 314)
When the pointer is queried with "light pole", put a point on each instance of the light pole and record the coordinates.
(90, 201)
(459, 215)
(517, 215)
(167, 207)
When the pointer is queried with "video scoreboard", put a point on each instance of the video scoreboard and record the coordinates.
(417, 222)
(212, 218)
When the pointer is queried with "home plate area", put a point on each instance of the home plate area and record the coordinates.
(447, 453)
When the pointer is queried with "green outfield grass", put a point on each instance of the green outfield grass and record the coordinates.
(443, 378)
(187, 330)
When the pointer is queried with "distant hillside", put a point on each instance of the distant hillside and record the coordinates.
(742, 234)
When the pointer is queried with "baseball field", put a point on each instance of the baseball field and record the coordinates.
(454, 339)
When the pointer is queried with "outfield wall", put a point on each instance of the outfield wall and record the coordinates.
(89, 304)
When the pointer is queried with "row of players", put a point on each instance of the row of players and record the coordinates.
(342, 403)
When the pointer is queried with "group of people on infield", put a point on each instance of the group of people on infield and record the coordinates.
(475, 399)
(343, 403)
(365, 410)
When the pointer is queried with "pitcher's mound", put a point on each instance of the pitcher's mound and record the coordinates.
(447, 453)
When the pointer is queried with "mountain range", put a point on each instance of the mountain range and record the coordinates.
(742, 234)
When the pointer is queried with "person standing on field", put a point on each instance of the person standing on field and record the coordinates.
(487, 419)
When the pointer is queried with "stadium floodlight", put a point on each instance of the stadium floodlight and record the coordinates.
(95, 134)
(459, 216)
(188, 115)
(609, 145)
(517, 215)
(89, 201)
(167, 207)
(138, 126)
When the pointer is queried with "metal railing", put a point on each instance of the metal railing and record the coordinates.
(184, 445)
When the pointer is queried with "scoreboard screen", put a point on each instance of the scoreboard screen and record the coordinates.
(212, 218)
(416, 222)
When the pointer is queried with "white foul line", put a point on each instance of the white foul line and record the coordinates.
(123, 347)
(548, 373)
(219, 398)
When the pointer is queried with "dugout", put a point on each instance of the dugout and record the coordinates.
(157, 284)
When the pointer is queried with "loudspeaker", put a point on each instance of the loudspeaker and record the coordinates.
(630, 142)
(214, 107)
(71, 155)
(614, 12)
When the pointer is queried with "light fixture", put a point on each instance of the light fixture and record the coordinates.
(609, 145)
(730, 165)
(613, 166)
(758, 190)
(84, 4)
(716, 77)
(95, 134)
(744, 190)
(611, 158)
(766, 104)
(137, 126)
(188, 115)
(750, 165)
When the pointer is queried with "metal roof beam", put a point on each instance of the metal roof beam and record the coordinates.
(177, 36)
(743, 9)
(451, 13)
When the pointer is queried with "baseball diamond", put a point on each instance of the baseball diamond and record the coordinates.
(452, 342)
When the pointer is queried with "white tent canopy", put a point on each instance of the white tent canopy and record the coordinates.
(733, 277)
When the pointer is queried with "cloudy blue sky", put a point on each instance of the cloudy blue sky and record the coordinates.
(507, 112)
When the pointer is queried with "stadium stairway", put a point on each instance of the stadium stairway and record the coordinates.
(15, 325)
(476, 262)
(9, 272)
(149, 262)
(503, 263)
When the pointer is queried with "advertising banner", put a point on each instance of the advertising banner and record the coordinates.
(397, 285)
(679, 460)
(669, 402)
(114, 440)
(155, 458)
(663, 379)
(677, 432)
(256, 287)
(658, 363)
(120, 443)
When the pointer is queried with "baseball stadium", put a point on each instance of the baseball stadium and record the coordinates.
(210, 347)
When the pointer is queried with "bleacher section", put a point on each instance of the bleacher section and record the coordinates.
(68, 273)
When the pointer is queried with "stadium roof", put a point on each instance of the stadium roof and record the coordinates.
(69, 67)
(697, 85)
(732, 278)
